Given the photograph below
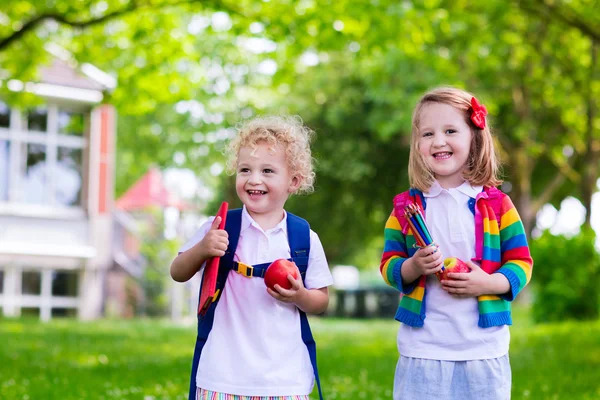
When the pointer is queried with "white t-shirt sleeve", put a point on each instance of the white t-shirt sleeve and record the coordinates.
(317, 275)
(198, 236)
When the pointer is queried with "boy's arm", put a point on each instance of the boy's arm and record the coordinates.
(517, 263)
(213, 244)
(313, 301)
(186, 264)
(395, 257)
(314, 297)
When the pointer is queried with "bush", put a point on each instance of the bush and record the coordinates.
(565, 277)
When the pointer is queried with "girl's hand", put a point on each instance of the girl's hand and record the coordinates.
(295, 294)
(428, 260)
(215, 242)
(475, 283)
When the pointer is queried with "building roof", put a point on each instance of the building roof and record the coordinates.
(67, 80)
(150, 191)
(61, 73)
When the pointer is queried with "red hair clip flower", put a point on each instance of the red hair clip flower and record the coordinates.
(478, 114)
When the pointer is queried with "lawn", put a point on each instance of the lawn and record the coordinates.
(149, 360)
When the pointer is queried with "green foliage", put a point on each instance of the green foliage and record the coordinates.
(127, 360)
(158, 253)
(566, 277)
(185, 80)
(360, 103)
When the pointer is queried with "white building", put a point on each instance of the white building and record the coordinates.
(56, 195)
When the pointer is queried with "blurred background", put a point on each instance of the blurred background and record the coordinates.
(113, 118)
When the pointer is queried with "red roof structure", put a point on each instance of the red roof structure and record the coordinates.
(150, 191)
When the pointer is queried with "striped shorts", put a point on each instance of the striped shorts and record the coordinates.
(202, 394)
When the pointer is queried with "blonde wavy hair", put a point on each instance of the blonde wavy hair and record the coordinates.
(483, 165)
(289, 132)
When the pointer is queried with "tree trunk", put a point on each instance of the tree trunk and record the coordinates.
(522, 200)
(590, 165)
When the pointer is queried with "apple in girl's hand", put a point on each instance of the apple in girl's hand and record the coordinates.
(452, 264)
(278, 271)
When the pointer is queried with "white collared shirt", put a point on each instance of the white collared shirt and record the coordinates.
(450, 331)
(255, 346)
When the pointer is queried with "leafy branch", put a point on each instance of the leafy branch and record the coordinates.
(564, 14)
(65, 19)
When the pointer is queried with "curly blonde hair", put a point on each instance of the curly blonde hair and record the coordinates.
(483, 165)
(289, 132)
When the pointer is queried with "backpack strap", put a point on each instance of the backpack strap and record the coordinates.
(299, 239)
(205, 322)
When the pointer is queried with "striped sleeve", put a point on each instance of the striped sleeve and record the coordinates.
(517, 263)
(395, 253)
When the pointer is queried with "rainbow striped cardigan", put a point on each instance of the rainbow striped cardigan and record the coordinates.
(500, 248)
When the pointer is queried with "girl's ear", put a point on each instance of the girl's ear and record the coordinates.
(294, 184)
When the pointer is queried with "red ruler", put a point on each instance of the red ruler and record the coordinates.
(209, 278)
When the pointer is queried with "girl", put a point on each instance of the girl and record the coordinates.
(453, 337)
(255, 342)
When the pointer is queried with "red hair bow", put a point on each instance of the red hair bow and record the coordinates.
(479, 113)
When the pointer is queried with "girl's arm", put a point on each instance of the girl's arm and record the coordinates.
(517, 263)
(396, 257)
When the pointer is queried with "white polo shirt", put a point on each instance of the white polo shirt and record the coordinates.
(450, 330)
(255, 347)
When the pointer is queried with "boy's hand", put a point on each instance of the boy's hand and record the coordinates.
(294, 294)
(215, 242)
(428, 260)
(475, 283)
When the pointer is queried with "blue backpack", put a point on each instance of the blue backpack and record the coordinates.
(299, 240)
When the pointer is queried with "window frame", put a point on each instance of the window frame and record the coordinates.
(17, 135)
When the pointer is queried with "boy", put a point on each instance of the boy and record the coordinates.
(255, 346)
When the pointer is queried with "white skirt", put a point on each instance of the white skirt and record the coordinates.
(422, 379)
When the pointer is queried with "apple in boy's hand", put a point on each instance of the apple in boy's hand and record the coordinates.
(452, 264)
(278, 271)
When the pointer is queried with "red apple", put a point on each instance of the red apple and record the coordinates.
(278, 271)
(453, 264)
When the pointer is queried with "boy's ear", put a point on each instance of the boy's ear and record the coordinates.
(295, 184)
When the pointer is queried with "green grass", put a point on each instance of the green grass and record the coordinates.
(150, 360)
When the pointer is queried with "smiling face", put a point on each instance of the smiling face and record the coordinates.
(444, 142)
(264, 182)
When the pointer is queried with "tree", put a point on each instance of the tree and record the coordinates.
(354, 71)
(581, 17)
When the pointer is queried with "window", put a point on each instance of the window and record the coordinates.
(37, 120)
(41, 155)
(69, 176)
(35, 173)
(71, 123)
(4, 115)
(65, 283)
(64, 312)
(31, 283)
(30, 312)
(4, 162)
